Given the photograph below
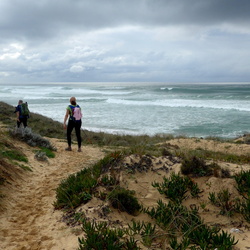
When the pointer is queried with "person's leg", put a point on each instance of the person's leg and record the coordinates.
(69, 131)
(78, 134)
(24, 120)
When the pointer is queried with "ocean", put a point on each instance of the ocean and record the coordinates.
(192, 110)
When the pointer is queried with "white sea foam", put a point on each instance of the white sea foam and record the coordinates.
(181, 103)
(194, 110)
(163, 88)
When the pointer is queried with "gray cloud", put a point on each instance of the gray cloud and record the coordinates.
(117, 40)
(34, 19)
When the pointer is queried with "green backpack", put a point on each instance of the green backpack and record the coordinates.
(24, 109)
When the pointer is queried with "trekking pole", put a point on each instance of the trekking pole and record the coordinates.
(87, 137)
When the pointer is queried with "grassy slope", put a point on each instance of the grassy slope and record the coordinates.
(155, 145)
(38, 123)
(47, 127)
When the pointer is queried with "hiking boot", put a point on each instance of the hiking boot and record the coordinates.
(68, 149)
(79, 150)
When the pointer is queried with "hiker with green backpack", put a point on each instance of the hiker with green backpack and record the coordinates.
(22, 113)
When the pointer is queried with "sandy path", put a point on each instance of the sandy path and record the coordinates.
(29, 220)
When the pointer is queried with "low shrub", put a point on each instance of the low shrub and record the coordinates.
(223, 200)
(244, 209)
(75, 190)
(108, 162)
(225, 173)
(147, 231)
(107, 181)
(78, 188)
(195, 166)
(41, 156)
(32, 139)
(211, 238)
(243, 186)
(173, 216)
(101, 236)
(176, 187)
(189, 227)
(124, 200)
(243, 183)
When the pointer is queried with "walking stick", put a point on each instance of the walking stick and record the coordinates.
(87, 137)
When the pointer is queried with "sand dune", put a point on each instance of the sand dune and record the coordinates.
(28, 219)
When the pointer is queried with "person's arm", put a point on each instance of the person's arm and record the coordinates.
(66, 118)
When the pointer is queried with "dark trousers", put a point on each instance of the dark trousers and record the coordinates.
(22, 121)
(77, 125)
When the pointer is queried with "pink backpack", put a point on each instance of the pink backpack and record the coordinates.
(77, 113)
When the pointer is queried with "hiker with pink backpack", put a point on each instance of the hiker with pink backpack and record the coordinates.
(74, 117)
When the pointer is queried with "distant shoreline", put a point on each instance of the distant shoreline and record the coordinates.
(124, 83)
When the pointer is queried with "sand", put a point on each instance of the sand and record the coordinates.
(28, 219)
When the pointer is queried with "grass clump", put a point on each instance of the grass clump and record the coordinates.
(124, 200)
(14, 155)
(49, 153)
(9, 151)
(43, 154)
(26, 168)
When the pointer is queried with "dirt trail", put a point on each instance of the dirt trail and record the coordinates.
(29, 220)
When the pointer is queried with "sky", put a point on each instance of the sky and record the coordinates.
(124, 41)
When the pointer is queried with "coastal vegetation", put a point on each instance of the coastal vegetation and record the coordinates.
(175, 221)
(181, 225)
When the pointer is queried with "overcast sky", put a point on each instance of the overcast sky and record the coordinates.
(125, 40)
